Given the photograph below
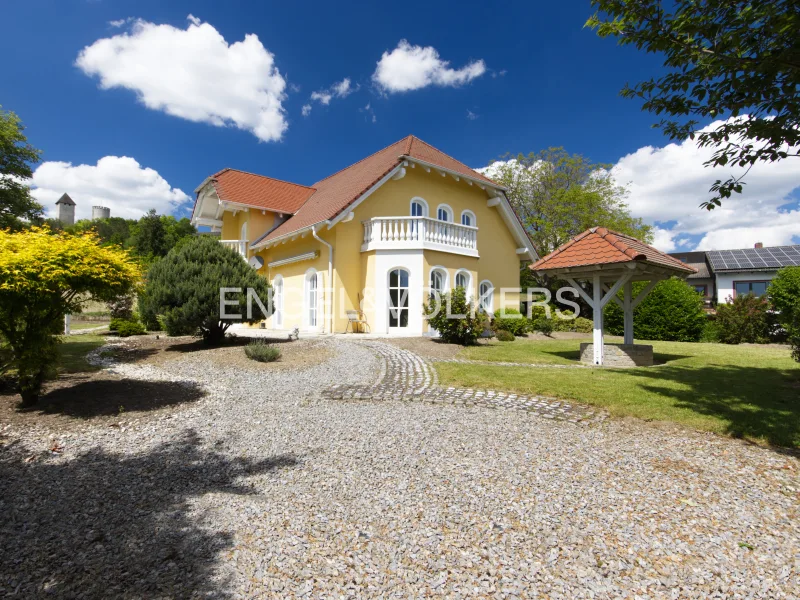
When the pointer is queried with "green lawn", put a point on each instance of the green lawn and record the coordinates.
(78, 325)
(743, 391)
(72, 353)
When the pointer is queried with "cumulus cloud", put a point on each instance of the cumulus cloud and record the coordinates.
(118, 182)
(341, 89)
(668, 184)
(193, 74)
(410, 67)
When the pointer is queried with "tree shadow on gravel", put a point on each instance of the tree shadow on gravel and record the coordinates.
(231, 342)
(106, 525)
(106, 397)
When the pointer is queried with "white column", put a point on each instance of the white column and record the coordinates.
(597, 311)
(627, 310)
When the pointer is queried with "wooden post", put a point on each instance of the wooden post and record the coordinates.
(597, 310)
(67, 323)
(627, 309)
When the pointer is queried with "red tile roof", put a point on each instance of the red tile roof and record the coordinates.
(601, 246)
(336, 192)
(241, 187)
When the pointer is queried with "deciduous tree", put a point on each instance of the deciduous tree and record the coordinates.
(16, 158)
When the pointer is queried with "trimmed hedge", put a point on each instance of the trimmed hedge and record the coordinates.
(504, 336)
(129, 328)
(671, 312)
(511, 320)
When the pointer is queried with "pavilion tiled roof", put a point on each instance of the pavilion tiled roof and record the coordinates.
(601, 246)
(336, 192)
(259, 191)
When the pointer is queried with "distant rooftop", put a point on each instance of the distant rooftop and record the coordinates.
(65, 199)
(754, 259)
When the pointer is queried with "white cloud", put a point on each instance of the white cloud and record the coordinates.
(194, 74)
(664, 240)
(341, 89)
(369, 112)
(118, 182)
(669, 183)
(410, 67)
(471, 115)
(120, 22)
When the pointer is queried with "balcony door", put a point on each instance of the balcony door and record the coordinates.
(398, 300)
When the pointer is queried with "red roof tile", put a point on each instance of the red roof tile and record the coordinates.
(241, 187)
(336, 192)
(600, 246)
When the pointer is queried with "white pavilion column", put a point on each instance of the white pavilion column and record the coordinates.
(627, 310)
(597, 310)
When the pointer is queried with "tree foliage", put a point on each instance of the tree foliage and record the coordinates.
(44, 276)
(736, 58)
(184, 288)
(558, 195)
(745, 319)
(16, 158)
(671, 312)
(455, 317)
(784, 295)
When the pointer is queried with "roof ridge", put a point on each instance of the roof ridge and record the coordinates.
(218, 173)
(421, 141)
(360, 161)
(614, 239)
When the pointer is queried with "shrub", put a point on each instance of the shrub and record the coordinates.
(121, 308)
(504, 336)
(671, 312)
(455, 318)
(262, 352)
(542, 325)
(794, 340)
(784, 295)
(129, 328)
(578, 324)
(511, 320)
(147, 313)
(44, 276)
(710, 331)
(744, 319)
(184, 287)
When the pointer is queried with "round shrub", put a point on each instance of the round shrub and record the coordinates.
(542, 325)
(262, 352)
(511, 320)
(129, 328)
(578, 324)
(744, 320)
(671, 312)
(455, 318)
(504, 336)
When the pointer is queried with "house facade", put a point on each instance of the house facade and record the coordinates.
(730, 273)
(375, 237)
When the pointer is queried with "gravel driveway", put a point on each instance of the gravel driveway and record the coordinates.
(262, 488)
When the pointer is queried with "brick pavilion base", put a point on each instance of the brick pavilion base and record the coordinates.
(620, 355)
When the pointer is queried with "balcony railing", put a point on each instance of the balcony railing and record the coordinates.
(419, 232)
(239, 245)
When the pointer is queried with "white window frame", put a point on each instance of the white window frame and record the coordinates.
(389, 289)
(311, 275)
(489, 308)
(422, 202)
(449, 211)
(472, 217)
(277, 299)
(445, 278)
(468, 275)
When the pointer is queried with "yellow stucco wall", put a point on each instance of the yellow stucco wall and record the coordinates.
(353, 270)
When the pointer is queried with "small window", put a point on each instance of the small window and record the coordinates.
(468, 218)
(461, 280)
(443, 213)
(700, 289)
(486, 299)
(437, 281)
(417, 209)
(757, 288)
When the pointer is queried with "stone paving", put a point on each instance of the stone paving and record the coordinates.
(408, 376)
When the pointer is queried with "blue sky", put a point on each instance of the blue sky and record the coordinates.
(519, 79)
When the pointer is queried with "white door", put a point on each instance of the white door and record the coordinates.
(398, 300)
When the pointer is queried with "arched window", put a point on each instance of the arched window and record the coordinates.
(311, 300)
(419, 208)
(486, 296)
(464, 281)
(277, 300)
(444, 213)
(398, 298)
(438, 280)
(468, 218)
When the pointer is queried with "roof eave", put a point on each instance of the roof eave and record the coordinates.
(454, 174)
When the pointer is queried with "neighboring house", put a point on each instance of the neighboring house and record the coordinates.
(703, 280)
(745, 271)
(376, 236)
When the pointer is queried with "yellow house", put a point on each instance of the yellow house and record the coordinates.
(376, 237)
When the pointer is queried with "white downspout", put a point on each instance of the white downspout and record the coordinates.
(329, 316)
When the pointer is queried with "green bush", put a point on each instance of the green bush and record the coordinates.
(455, 318)
(262, 352)
(129, 328)
(511, 320)
(542, 325)
(578, 324)
(671, 312)
(113, 325)
(710, 331)
(744, 320)
(784, 295)
(504, 336)
(184, 287)
(147, 313)
(121, 308)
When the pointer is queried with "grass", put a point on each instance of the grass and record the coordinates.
(72, 353)
(743, 391)
(87, 325)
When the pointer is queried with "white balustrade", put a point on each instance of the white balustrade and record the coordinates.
(239, 246)
(419, 232)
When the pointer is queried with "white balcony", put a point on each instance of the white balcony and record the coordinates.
(239, 246)
(406, 233)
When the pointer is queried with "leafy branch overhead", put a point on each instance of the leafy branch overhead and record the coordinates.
(732, 59)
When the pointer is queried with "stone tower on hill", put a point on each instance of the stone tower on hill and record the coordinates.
(66, 210)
